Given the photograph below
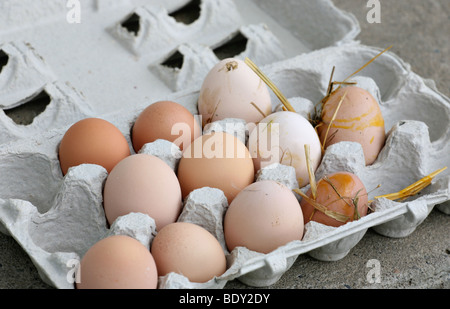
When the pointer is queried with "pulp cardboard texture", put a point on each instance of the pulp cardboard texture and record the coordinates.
(101, 68)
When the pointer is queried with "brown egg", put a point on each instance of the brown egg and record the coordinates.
(118, 262)
(344, 197)
(165, 120)
(263, 217)
(359, 119)
(92, 141)
(144, 184)
(189, 250)
(217, 160)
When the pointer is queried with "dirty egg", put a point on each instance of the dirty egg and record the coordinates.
(341, 197)
(280, 138)
(352, 114)
(232, 90)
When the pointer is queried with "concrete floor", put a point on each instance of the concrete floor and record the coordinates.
(418, 31)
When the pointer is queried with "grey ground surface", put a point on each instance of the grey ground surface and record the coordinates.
(418, 31)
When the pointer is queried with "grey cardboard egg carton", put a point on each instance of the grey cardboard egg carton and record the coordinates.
(56, 219)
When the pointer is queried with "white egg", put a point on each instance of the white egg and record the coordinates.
(233, 90)
(281, 138)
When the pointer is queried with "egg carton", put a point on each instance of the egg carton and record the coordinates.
(74, 219)
(57, 219)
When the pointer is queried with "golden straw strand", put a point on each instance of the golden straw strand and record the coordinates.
(364, 66)
(414, 188)
(271, 85)
(332, 120)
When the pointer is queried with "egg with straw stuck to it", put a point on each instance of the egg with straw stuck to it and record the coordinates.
(337, 198)
(352, 114)
(232, 90)
(280, 138)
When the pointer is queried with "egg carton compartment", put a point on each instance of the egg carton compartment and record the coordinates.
(153, 32)
(126, 53)
(26, 82)
(56, 219)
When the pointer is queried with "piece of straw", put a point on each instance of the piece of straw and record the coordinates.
(332, 120)
(364, 66)
(412, 189)
(332, 214)
(271, 85)
(312, 177)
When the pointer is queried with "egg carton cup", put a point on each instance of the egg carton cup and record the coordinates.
(159, 34)
(56, 219)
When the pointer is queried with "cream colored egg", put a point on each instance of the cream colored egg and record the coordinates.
(233, 90)
(281, 138)
(263, 217)
(143, 184)
(189, 250)
(118, 262)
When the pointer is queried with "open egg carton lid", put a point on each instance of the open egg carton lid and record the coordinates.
(126, 53)
(121, 58)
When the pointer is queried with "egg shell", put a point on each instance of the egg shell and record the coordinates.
(263, 217)
(146, 184)
(217, 160)
(92, 141)
(350, 187)
(359, 119)
(118, 262)
(165, 120)
(188, 249)
(281, 138)
(233, 90)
